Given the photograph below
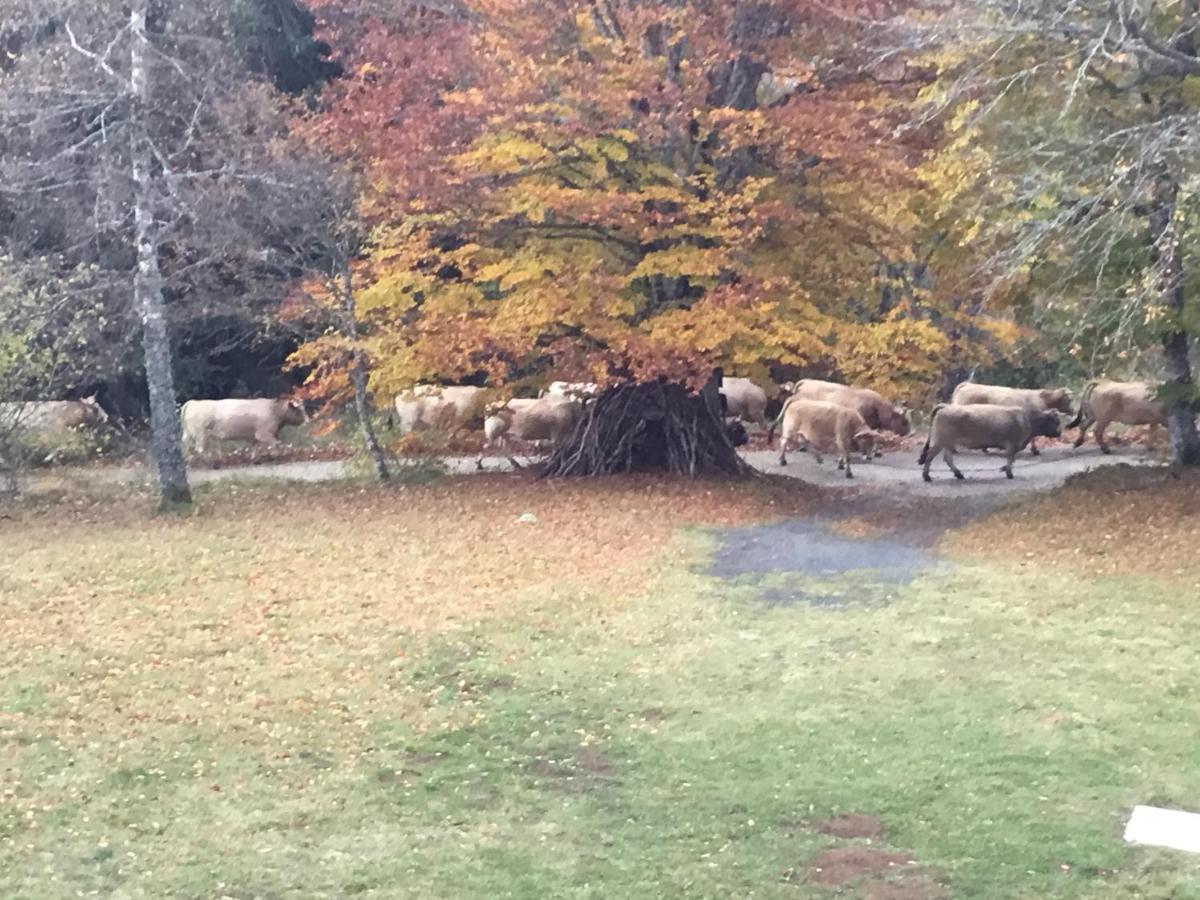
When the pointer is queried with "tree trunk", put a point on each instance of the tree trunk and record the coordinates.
(166, 436)
(1178, 390)
(358, 375)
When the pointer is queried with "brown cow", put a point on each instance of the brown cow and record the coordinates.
(980, 425)
(1127, 402)
(546, 419)
(1038, 400)
(824, 427)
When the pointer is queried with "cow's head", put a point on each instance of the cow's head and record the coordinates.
(294, 412)
(1047, 424)
(895, 419)
(737, 433)
(1057, 398)
(95, 412)
(866, 441)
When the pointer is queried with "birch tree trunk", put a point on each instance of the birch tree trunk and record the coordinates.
(1164, 231)
(358, 375)
(166, 436)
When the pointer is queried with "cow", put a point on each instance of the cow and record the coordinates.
(437, 407)
(980, 425)
(546, 420)
(52, 418)
(1038, 400)
(825, 427)
(234, 419)
(1126, 402)
(878, 413)
(744, 400)
(575, 390)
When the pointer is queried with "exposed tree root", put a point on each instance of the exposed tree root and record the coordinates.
(649, 426)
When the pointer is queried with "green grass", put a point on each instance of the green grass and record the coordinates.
(1000, 719)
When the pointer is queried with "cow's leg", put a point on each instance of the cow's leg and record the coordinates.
(845, 461)
(930, 455)
(1085, 422)
(266, 437)
(948, 454)
(1101, 426)
(785, 438)
(1010, 454)
(1033, 450)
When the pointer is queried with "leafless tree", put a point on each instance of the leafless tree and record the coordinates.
(140, 120)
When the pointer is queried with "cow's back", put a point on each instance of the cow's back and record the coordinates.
(980, 424)
(1127, 402)
(47, 416)
(546, 419)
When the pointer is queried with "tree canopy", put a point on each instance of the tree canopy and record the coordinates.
(608, 191)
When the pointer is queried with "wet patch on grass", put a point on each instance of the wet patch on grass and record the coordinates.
(813, 563)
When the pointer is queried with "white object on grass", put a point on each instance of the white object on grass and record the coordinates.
(1159, 827)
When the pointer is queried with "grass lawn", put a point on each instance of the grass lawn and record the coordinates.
(333, 692)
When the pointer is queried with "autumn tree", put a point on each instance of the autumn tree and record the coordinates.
(1069, 174)
(627, 192)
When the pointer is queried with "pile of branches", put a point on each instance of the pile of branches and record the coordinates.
(651, 426)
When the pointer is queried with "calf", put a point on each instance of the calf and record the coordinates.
(824, 427)
(977, 426)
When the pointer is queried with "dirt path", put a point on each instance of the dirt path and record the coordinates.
(895, 473)
(898, 471)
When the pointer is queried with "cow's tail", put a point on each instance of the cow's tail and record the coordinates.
(1085, 406)
(779, 418)
(929, 437)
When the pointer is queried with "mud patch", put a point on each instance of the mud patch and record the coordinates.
(842, 865)
(851, 825)
(584, 770)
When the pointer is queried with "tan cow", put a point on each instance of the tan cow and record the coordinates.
(744, 400)
(824, 427)
(878, 413)
(1126, 402)
(438, 407)
(545, 420)
(1038, 400)
(52, 418)
(257, 419)
(981, 425)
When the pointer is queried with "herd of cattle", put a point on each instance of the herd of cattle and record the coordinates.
(819, 415)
